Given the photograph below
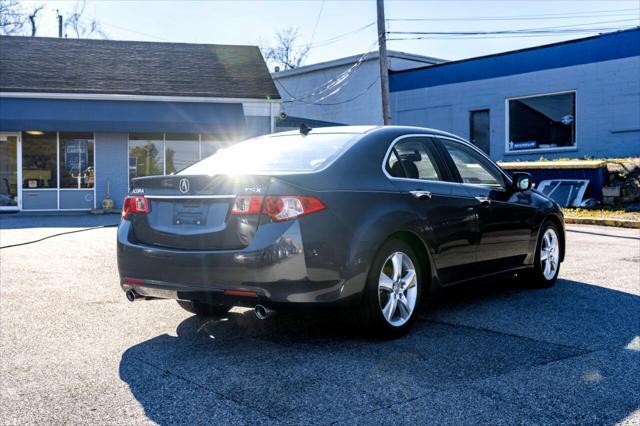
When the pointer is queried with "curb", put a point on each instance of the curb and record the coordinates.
(620, 223)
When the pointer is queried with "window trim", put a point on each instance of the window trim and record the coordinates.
(507, 181)
(507, 151)
(438, 153)
(435, 153)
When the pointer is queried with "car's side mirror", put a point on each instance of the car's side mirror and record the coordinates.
(522, 181)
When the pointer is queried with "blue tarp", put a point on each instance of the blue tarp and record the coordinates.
(120, 116)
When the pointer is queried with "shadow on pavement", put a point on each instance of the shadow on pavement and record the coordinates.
(496, 353)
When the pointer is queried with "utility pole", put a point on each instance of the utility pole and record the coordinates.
(59, 24)
(384, 63)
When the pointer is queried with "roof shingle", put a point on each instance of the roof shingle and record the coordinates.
(60, 65)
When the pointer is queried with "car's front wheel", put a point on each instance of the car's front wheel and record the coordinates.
(547, 260)
(202, 308)
(393, 290)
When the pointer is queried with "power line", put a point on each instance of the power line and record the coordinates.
(504, 36)
(333, 103)
(135, 32)
(333, 85)
(336, 38)
(552, 16)
(313, 36)
(556, 29)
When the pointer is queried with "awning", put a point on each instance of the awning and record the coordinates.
(120, 116)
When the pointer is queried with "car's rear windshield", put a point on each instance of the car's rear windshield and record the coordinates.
(293, 153)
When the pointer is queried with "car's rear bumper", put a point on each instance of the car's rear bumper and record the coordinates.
(272, 270)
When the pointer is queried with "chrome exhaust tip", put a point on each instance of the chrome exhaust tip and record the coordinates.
(132, 296)
(263, 313)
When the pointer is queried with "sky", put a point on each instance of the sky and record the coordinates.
(256, 22)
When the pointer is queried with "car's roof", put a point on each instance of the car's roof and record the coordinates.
(332, 130)
(369, 129)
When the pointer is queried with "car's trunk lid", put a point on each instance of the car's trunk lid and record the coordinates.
(194, 212)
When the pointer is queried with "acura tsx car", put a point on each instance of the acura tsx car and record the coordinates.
(369, 219)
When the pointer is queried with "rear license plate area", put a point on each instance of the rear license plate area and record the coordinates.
(191, 213)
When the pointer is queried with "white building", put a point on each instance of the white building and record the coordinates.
(342, 91)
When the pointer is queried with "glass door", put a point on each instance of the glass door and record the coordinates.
(10, 172)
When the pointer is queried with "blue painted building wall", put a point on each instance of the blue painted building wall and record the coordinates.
(111, 121)
(603, 71)
(112, 164)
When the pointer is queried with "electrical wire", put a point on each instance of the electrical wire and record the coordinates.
(472, 36)
(313, 36)
(336, 38)
(345, 101)
(333, 85)
(505, 36)
(552, 16)
(135, 32)
(59, 234)
(556, 29)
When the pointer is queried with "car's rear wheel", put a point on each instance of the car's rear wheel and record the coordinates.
(203, 309)
(547, 261)
(393, 290)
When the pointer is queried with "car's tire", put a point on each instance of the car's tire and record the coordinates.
(546, 266)
(391, 295)
(203, 309)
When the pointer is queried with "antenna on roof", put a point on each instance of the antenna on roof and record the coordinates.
(304, 129)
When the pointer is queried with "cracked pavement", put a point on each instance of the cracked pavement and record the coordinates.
(73, 350)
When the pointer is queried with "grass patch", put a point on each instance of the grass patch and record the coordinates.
(601, 214)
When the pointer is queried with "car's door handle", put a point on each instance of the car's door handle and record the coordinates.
(421, 195)
(484, 201)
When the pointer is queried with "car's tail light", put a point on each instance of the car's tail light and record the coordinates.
(135, 204)
(247, 204)
(280, 208)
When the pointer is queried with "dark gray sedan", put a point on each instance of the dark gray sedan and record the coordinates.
(372, 219)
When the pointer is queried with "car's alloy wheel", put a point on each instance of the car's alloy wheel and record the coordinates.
(546, 266)
(397, 289)
(549, 254)
(393, 290)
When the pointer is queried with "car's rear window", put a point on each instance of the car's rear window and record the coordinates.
(276, 154)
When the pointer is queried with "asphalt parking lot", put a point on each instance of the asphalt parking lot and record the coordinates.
(73, 350)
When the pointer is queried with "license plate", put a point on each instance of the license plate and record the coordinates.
(190, 214)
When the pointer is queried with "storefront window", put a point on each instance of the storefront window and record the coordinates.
(76, 160)
(39, 160)
(146, 157)
(542, 122)
(211, 143)
(181, 151)
(165, 153)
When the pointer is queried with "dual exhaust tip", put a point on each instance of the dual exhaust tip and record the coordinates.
(132, 296)
(261, 311)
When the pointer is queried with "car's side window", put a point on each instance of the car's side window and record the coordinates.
(472, 167)
(410, 158)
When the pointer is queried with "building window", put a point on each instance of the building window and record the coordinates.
(211, 143)
(181, 151)
(165, 153)
(542, 122)
(146, 154)
(76, 161)
(39, 160)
